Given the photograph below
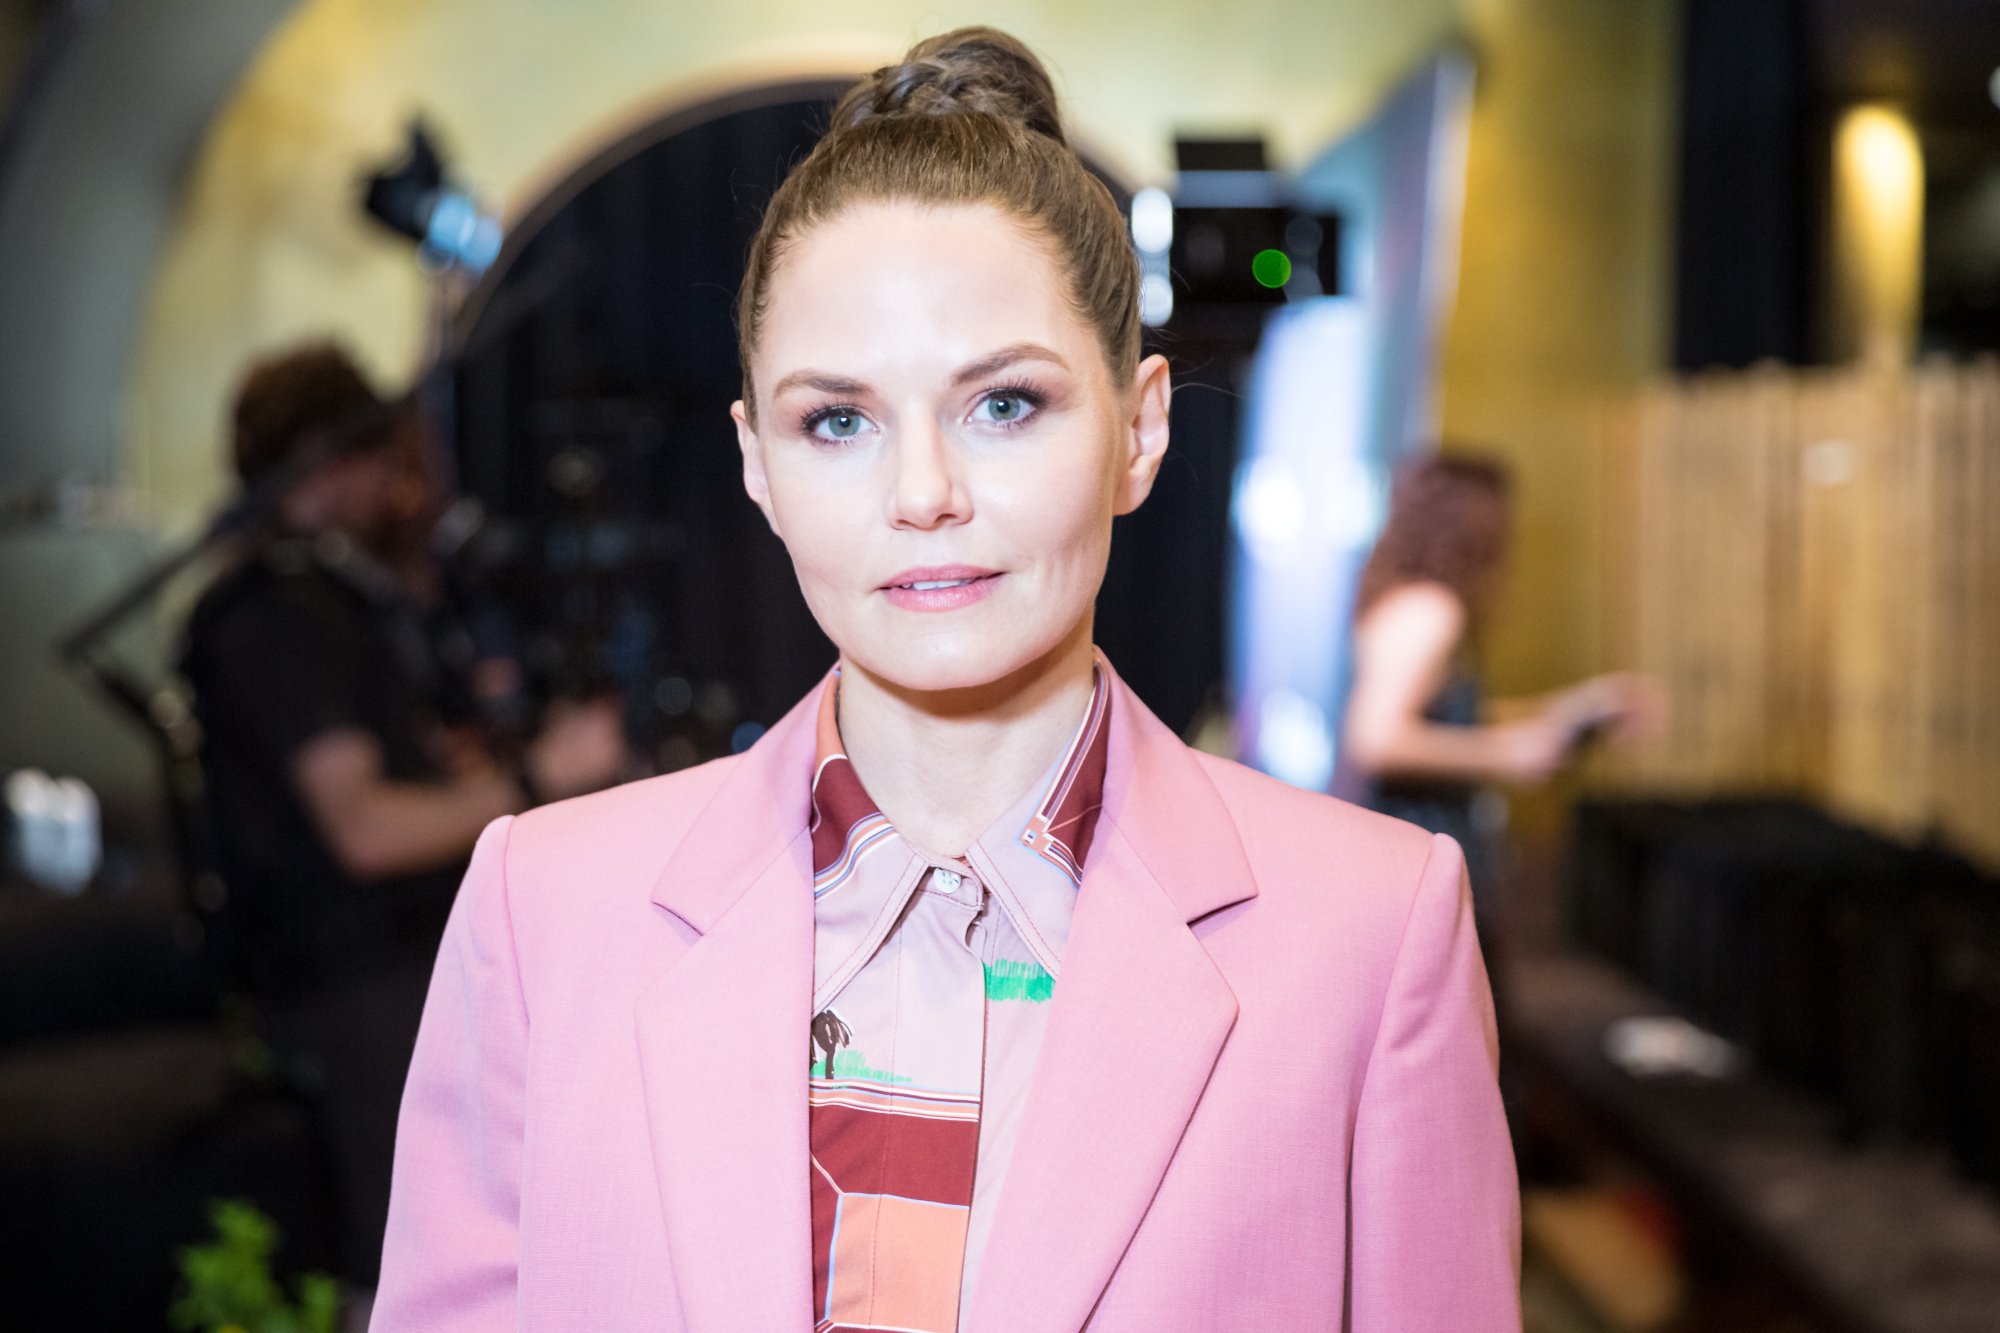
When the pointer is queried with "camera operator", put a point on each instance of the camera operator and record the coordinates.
(342, 806)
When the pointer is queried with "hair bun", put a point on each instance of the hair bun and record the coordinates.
(977, 70)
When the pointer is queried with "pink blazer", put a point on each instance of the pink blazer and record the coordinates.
(1265, 1099)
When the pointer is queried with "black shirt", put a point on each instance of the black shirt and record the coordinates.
(295, 643)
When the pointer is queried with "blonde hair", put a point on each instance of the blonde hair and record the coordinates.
(968, 117)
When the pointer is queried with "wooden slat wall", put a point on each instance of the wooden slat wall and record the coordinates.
(1811, 561)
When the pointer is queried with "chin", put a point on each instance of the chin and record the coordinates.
(940, 662)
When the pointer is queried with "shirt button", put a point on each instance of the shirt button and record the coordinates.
(947, 880)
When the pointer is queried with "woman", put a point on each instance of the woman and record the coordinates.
(1421, 742)
(969, 997)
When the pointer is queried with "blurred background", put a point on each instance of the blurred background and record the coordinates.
(1700, 297)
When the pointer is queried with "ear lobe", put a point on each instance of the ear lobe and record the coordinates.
(1146, 433)
(755, 483)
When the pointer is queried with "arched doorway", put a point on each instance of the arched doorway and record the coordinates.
(594, 370)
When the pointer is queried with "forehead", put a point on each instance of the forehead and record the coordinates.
(898, 287)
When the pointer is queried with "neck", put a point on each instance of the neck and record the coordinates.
(944, 764)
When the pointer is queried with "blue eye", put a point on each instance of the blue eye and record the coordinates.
(1007, 407)
(835, 424)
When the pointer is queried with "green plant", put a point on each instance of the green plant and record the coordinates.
(227, 1285)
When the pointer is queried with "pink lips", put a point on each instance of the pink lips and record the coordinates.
(940, 587)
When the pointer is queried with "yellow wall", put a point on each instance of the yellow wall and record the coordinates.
(1563, 300)
(270, 245)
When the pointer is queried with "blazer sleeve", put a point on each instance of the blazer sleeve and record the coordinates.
(448, 1260)
(1434, 1206)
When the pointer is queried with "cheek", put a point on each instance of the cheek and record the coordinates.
(1061, 516)
(820, 525)
(1077, 527)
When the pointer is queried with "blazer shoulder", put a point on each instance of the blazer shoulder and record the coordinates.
(1274, 815)
(1318, 858)
(597, 844)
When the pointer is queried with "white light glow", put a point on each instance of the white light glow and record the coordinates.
(1354, 504)
(1152, 221)
(1270, 510)
(1294, 743)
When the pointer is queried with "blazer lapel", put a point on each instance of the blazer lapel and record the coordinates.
(1139, 1019)
(723, 1043)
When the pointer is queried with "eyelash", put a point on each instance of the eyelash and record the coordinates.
(1035, 401)
(810, 422)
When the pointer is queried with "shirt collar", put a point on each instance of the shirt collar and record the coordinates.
(1059, 826)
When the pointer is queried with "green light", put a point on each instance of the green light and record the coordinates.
(1272, 268)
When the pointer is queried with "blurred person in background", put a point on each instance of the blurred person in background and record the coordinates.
(1423, 743)
(342, 806)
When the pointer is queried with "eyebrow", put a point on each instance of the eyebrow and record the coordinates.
(974, 370)
(1007, 356)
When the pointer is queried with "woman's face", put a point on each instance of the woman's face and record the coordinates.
(939, 442)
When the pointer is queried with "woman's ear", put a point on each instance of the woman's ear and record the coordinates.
(1146, 433)
(755, 482)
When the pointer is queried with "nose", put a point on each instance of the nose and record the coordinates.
(928, 489)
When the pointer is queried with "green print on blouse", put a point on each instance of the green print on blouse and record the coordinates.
(1006, 980)
(849, 1064)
